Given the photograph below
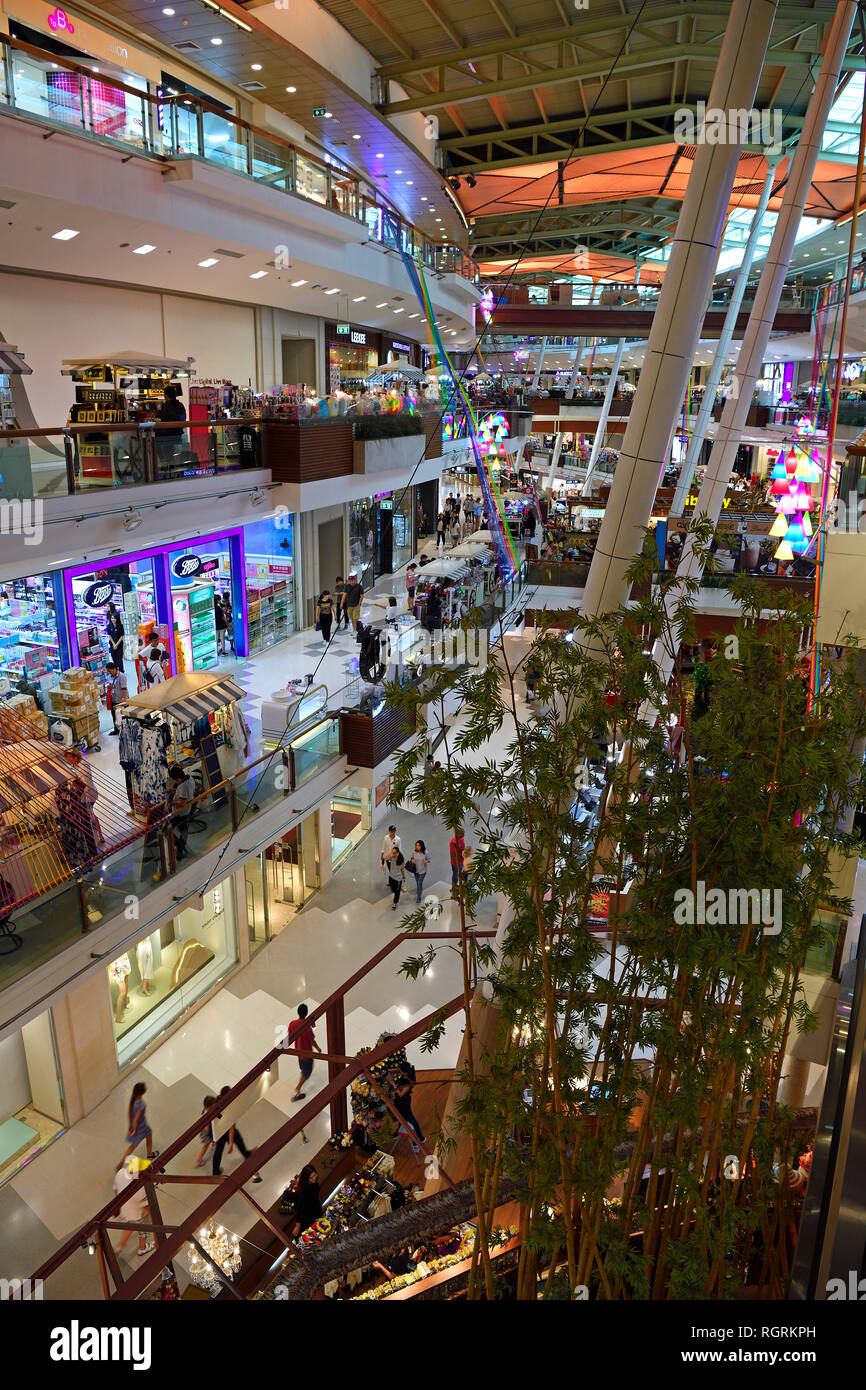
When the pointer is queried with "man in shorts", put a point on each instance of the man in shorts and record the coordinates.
(302, 1039)
(354, 594)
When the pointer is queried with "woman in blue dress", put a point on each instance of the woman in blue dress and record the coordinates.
(138, 1129)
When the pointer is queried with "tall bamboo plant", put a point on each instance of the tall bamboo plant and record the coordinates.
(629, 1082)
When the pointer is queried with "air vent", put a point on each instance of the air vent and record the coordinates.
(187, 46)
(235, 255)
(4, 203)
(253, 86)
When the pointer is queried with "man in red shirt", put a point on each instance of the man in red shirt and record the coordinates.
(301, 1039)
(456, 848)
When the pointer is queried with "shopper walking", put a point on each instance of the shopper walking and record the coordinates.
(390, 841)
(396, 877)
(206, 1133)
(138, 1130)
(403, 1089)
(421, 860)
(302, 1039)
(152, 669)
(354, 595)
(441, 523)
(456, 847)
(230, 621)
(340, 604)
(231, 1137)
(115, 636)
(118, 692)
(325, 614)
(135, 1209)
(411, 581)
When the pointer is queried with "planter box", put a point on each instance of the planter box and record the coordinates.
(366, 741)
(307, 452)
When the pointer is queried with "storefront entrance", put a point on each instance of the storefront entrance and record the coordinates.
(32, 1111)
(171, 591)
(279, 881)
(351, 821)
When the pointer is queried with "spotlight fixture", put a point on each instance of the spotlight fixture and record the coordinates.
(470, 179)
(257, 497)
(455, 184)
(131, 520)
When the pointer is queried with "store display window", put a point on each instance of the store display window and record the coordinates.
(349, 364)
(29, 639)
(270, 581)
(32, 1111)
(362, 540)
(114, 611)
(154, 981)
(205, 583)
(351, 820)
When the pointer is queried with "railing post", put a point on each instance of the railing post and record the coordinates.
(69, 452)
(147, 435)
(82, 900)
(234, 804)
(335, 1031)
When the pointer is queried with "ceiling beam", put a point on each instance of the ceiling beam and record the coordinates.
(443, 23)
(386, 27)
(640, 61)
(580, 32)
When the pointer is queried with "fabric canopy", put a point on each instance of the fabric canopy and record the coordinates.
(128, 360)
(188, 696)
(401, 366)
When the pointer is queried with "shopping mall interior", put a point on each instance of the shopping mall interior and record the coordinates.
(431, 762)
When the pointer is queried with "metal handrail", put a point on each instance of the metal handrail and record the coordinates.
(367, 194)
(168, 1247)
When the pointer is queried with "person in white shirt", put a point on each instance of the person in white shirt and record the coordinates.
(152, 658)
(390, 842)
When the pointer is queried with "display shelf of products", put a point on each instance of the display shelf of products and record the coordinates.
(202, 628)
(267, 614)
(28, 630)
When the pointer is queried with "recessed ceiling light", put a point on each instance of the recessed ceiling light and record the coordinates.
(297, 283)
(398, 171)
(328, 115)
(169, 12)
(258, 274)
(216, 41)
(438, 219)
(380, 156)
(381, 306)
(291, 89)
(334, 291)
(423, 197)
(413, 316)
(356, 137)
(398, 311)
(65, 234)
(211, 260)
(409, 183)
(144, 250)
(360, 299)
(256, 67)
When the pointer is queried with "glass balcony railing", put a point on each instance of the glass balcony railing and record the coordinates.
(64, 95)
(87, 458)
(49, 924)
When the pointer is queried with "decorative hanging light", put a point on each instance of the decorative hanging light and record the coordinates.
(223, 1251)
(784, 551)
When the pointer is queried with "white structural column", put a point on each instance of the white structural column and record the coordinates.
(760, 323)
(541, 352)
(602, 419)
(678, 318)
(554, 457)
(715, 373)
(575, 370)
